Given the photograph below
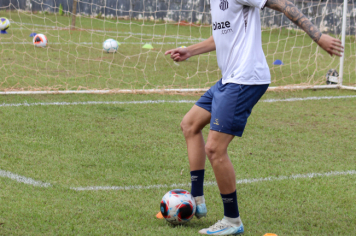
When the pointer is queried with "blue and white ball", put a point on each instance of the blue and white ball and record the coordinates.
(4, 23)
(110, 45)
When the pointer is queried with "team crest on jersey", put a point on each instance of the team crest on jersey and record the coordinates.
(224, 4)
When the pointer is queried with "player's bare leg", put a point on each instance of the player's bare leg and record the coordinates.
(216, 150)
(192, 124)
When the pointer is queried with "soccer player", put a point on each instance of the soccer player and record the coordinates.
(227, 105)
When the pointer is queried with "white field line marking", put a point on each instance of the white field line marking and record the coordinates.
(92, 43)
(23, 179)
(29, 181)
(91, 103)
(308, 98)
(211, 183)
(157, 101)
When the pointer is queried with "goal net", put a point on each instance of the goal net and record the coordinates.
(74, 58)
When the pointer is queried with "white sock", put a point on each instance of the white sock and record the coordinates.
(236, 221)
(199, 200)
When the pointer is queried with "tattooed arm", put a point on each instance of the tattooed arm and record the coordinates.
(331, 45)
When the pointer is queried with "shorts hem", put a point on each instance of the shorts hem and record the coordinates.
(199, 105)
(237, 133)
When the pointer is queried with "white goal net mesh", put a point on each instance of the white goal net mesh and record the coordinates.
(145, 29)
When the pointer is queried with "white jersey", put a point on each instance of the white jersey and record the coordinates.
(237, 36)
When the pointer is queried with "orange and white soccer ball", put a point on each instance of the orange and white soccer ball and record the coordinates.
(40, 40)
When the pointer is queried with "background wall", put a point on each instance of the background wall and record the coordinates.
(325, 14)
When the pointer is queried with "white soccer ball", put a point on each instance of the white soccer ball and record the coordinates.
(178, 206)
(4, 23)
(40, 40)
(110, 45)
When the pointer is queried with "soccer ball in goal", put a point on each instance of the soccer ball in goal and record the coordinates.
(178, 206)
(40, 40)
(4, 23)
(110, 45)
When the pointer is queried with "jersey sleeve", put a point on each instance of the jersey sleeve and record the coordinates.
(253, 3)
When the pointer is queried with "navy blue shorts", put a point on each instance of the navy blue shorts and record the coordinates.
(230, 105)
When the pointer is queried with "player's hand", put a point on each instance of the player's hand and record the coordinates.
(331, 45)
(179, 54)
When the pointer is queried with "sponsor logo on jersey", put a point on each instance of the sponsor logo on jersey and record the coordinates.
(224, 4)
(223, 26)
(226, 31)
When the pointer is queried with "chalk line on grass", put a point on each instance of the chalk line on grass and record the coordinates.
(210, 183)
(23, 179)
(91, 103)
(159, 101)
(95, 43)
(308, 98)
(30, 181)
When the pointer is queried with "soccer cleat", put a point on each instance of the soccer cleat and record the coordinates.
(223, 227)
(201, 211)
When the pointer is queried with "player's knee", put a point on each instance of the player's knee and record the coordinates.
(182, 125)
(211, 151)
(188, 128)
(214, 153)
(215, 159)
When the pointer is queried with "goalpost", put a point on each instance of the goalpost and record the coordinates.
(74, 62)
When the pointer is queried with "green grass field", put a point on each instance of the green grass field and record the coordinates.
(75, 60)
(139, 147)
(72, 146)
